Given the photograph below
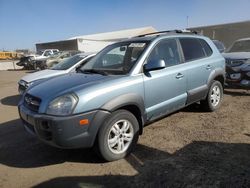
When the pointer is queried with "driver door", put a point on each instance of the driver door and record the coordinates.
(165, 89)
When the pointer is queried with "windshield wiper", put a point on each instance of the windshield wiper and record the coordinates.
(94, 71)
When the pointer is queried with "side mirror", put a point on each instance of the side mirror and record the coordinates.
(154, 65)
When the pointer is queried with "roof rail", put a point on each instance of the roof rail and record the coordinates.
(170, 31)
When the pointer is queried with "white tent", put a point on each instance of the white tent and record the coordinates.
(95, 42)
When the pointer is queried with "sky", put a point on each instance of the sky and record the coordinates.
(23, 23)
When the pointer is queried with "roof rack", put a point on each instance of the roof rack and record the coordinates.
(170, 31)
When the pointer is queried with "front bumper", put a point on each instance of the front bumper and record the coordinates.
(242, 84)
(238, 79)
(63, 132)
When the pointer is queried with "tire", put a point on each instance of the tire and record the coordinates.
(34, 66)
(214, 97)
(114, 144)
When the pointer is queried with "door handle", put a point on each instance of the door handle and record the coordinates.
(209, 67)
(179, 76)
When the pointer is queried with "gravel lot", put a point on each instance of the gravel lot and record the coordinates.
(189, 148)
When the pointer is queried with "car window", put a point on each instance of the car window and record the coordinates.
(114, 57)
(47, 53)
(240, 46)
(206, 48)
(85, 61)
(118, 58)
(192, 49)
(220, 46)
(166, 50)
(67, 63)
(40, 52)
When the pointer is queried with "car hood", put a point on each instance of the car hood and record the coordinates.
(237, 55)
(42, 74)
(66, 83)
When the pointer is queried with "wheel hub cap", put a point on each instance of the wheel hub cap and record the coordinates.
(215, 96)
(120, 136)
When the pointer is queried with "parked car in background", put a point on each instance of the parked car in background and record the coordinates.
(64, 67)
(29, 62)
(220, 46)
(43, 54)
(125, 86)
(54, 59)
(26, 63)
(238, 64)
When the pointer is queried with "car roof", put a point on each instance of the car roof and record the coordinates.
(164, 34)
(243, 39)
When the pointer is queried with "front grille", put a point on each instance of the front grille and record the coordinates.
(31, 102)
(234, 62)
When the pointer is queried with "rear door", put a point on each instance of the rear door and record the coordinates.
(165, 89)
(199, 66)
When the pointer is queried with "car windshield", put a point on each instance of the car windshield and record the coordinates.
(67, 63)
(117, 58)
(240, 46)
(55, 55)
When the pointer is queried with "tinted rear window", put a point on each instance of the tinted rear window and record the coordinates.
(194, 48)
(206, 47)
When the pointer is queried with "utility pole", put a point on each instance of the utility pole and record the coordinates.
(187, 21)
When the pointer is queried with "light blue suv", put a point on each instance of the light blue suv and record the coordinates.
(125, 86)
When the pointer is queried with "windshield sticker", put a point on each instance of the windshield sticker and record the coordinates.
(137, 45)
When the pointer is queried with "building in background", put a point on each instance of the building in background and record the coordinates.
(226, 33)
(23, 51)
(95, 42)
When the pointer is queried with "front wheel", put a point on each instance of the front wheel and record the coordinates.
(214, 97)
(118, 135)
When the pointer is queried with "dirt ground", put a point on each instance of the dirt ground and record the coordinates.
(189, 148)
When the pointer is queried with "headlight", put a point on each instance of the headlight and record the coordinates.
(63, 105)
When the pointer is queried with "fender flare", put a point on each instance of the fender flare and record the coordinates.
(215, 73)
(127, 100)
